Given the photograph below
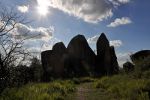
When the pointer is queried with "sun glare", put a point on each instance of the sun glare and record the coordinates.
(42, 7)
(42, 10)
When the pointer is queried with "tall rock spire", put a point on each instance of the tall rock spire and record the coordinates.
(105, 56)
(102, 43)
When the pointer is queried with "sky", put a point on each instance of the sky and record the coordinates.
(125, 23)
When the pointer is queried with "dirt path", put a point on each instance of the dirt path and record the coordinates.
(86, 91)
(83, 91)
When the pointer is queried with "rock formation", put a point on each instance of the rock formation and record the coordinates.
(53, 60)
(106, 58)
(140, 55)
(79, 49)
(114, 63)
(78, 59)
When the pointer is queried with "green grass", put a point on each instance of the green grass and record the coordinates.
(118, 87)
(124, 88)
(57, 90)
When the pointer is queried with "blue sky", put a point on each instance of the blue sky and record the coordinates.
(125, 22)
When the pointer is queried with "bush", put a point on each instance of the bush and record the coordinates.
(143, 64)
(146, 74)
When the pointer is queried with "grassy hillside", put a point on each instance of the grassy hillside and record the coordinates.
(56, 90)
(124, 88)
(118, 87)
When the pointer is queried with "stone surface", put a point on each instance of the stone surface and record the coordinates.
(53, 60)
(106, 58)
(78, 59)
(79, 49)
(114, 63)
(140, 55)
(103, 55)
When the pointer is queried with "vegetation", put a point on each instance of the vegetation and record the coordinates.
(22, 82)
(124, 87)
(128, 85)
(56, 90)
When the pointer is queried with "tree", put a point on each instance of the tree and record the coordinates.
(36, 69)
(12, 52)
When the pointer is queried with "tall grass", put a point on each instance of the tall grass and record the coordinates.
(43, 91)
(124, 87)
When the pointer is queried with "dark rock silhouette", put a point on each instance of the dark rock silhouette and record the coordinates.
(78, 59)
(114, 63)
(58, 55)
(47, 68)
(140, 55)
(106, 58)
(79, 49)
(103, 55)
(53, 60)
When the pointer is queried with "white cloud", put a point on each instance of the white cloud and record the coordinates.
(35, 38)
(22, 30)
(120, 21)
(49, 45)
(116, 43)
(123, 1)
(122, 58)
(23, 8)
(119, 2)
(93, 39)
(92, 11)
(39, 45)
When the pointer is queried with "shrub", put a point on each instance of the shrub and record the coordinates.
(143, 64)
(146, 74)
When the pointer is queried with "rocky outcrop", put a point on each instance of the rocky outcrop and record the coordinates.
(78, 59)
(47, 68)
(79, 49)
(103, 55)
(114, 63)
(140, 55)
(53, 60)
(57, 59)
(106, 58)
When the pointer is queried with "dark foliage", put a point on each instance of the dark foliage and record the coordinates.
(128, 67)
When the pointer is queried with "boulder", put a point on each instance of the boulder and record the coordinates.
(47, 68)
(140, 55)
(59, 52)
(103, 55)
(106, 61)
(114, 63)
(53, 60)
(78, 59)
(80, 51)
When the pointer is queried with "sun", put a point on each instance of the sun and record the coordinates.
(42, 10)
(43, 7)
